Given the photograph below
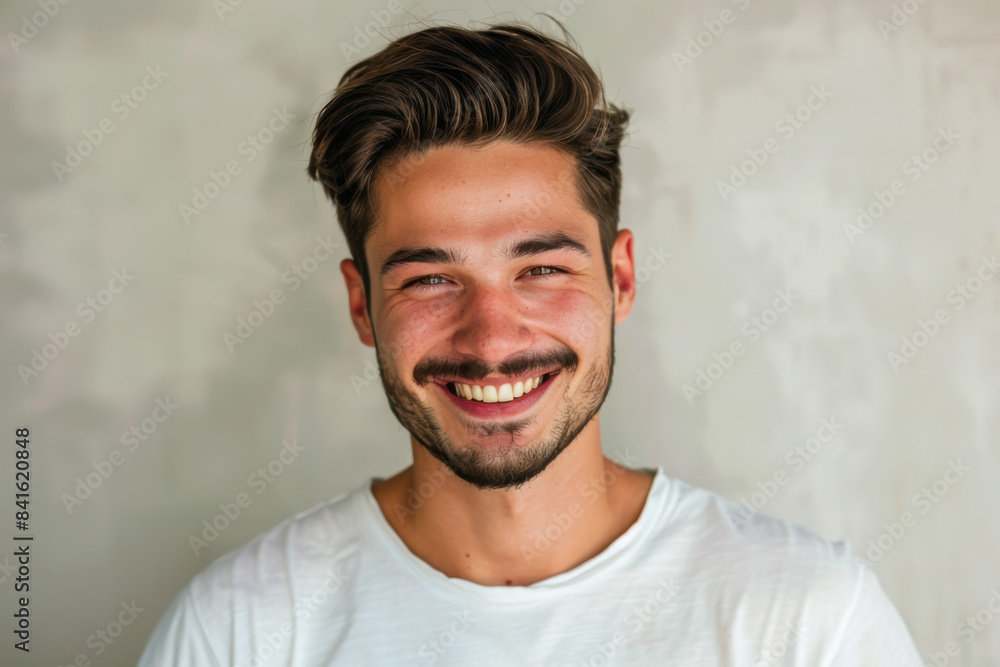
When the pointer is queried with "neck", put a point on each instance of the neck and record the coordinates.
(566, 515)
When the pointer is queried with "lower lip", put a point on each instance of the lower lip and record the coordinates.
(500, 410)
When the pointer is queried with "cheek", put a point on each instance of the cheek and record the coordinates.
(415, 327)
(574, 316)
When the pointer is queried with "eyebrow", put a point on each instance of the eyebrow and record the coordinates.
(525, 248)
(412, 255)
(545, 243)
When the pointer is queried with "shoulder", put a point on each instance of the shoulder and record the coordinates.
(305, 543)
(263, 588)
(779, 581)
(730, 546)
(318, 547)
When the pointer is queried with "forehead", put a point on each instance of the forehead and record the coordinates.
(485, 195)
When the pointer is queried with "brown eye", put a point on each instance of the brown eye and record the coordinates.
(551, 270)
(420, 282)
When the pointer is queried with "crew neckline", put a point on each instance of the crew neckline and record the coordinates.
(660, 499)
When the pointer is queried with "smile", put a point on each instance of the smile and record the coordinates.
(492, 401)
(492, 393)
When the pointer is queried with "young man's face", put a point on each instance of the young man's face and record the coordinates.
(486, 270)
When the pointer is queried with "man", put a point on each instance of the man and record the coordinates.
(476, 178)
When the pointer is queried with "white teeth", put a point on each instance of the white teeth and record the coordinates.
(492, 394)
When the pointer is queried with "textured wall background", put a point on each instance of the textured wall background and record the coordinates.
(710, 92)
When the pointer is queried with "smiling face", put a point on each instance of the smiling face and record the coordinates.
(490, 306)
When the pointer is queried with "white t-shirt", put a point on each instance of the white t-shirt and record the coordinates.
(695, 581)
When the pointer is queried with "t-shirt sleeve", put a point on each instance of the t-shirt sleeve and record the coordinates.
(180, 638)
(873, 633)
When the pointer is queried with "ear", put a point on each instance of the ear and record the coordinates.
(356, 301)
(623, 274)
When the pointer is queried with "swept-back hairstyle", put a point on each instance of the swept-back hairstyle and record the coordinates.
(451, 85)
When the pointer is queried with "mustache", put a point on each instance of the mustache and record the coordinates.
(475, 369)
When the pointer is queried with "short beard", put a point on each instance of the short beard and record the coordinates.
(501, 467)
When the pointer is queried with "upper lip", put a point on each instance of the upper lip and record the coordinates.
(497, 380)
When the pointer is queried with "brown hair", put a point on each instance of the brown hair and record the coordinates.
(445, 85)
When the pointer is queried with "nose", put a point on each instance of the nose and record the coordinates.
(492, 325)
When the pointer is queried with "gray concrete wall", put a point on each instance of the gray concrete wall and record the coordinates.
(757, 136)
